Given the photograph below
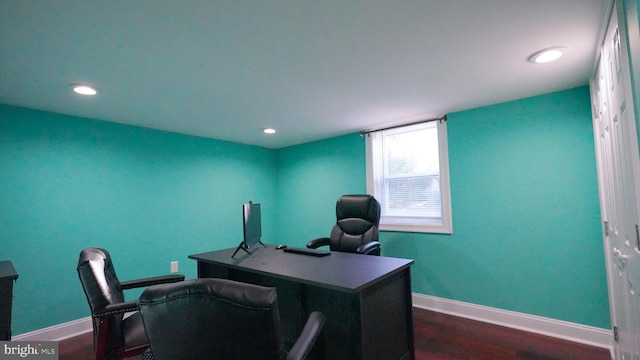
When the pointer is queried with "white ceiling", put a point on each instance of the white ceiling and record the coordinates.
(226, 69)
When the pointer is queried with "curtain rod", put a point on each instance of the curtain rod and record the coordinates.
(367, 132)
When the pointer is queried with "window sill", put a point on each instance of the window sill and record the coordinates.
(439, 229)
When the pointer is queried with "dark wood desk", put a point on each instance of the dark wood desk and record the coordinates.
(367, 299)
(7, 276)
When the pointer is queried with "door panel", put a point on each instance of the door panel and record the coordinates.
(614, 128)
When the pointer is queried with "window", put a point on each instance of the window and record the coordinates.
(408, 173)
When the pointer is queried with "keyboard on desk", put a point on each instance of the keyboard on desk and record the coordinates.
(303, 251)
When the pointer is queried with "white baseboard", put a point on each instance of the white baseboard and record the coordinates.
(58, 332)
(565, 330)
(536, 324)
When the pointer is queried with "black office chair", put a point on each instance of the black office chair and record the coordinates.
(212, 318)
(114, 337)
(356, 228)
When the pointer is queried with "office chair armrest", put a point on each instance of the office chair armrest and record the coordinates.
(316, 243)
(156, 280)
(311, 338)
(368, 248)
(119, 308)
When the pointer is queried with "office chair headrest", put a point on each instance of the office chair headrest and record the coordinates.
(251, 296)
(358, 206)
(98, 278)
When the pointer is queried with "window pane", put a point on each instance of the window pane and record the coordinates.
(414, 196)
(414, 152)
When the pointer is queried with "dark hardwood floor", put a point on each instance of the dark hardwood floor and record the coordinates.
(444, 337)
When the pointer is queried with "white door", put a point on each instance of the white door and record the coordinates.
(618, 163)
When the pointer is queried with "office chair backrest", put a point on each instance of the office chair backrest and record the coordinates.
(212, 319)
(102, 287)
(357, 221)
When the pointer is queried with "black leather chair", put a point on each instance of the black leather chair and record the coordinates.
(356, 228)
(114, 337)
(212, 318)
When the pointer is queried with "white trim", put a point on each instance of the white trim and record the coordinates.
(58, 332)
(565, 330)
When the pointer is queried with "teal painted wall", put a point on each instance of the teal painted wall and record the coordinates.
(150, 197)
(526, 214)
(311, 177)
(523, 178)
(526, 217)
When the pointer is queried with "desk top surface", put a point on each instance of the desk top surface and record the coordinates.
(340, 271)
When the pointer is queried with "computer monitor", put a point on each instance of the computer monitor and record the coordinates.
(251, 227)
(251, 224)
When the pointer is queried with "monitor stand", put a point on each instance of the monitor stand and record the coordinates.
(243, 247)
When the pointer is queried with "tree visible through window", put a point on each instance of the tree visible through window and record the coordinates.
(407, 171)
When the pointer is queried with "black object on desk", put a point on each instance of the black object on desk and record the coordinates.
(8, 275)
(303, 251)
(366, 299)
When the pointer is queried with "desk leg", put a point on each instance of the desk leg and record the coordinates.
(387, 321)
(6, 298)
(343, 321)
(375, 324)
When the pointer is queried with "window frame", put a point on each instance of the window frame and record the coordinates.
(416, 224)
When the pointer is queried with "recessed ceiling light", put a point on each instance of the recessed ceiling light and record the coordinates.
(547, 55)
(85, 89)
(269, 131)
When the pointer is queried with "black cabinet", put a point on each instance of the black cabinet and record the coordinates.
(7, 276)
